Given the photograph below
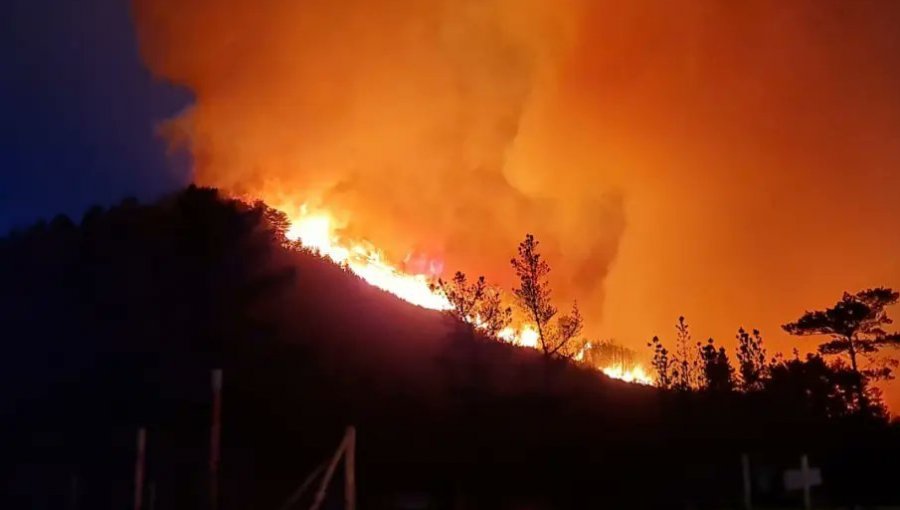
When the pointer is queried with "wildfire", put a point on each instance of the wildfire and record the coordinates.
(634, 374)
(527, 336)
(317, 230)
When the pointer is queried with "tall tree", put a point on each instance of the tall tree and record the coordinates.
(751, 356)
(686, 363)
(533, 297)
(533, 292)
(856, 327)
(661, 363)
(718, 376)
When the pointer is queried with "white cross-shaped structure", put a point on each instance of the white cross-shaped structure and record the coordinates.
(804, 478)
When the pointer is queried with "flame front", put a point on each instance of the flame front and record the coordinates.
(317, 230)
(635, 374)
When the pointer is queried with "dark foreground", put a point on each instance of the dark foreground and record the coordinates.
(116, 322)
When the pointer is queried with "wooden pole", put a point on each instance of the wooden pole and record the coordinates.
(139, 468)
(151, 497)
(745, 469)
(320, 494)
(350, 469)
(73, 493)
(215, 439)
(291, 501)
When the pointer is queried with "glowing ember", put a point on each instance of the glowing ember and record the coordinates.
(317, 231)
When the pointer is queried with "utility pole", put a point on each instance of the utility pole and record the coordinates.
(139, 468)
(215, 439)
(151, 499)
(350, 469)
(73, 493)
(745, 469)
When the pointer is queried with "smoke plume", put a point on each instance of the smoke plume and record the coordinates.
(734, 162)
(411, 121)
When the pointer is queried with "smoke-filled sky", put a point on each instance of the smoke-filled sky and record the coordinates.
(735, 162)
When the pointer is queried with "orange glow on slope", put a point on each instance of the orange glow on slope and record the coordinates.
(526, 336)
(318, 231)
(692, 173)
(635, 374)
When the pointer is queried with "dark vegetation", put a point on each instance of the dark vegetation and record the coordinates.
(116, 321)
(854, 326)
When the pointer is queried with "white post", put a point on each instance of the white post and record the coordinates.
(151, 496)
(214, 439)
(73, 493)
(139, 468)
(745, 468)
(804, 469)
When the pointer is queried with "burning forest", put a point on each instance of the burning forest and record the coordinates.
(486, 308)
(663, 175)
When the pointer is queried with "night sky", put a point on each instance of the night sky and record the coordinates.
(79, 110)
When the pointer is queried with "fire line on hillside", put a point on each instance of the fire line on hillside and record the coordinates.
(316, 230)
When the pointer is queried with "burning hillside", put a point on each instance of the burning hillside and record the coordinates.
(400, 139)
(414, 126)
(673, 159)
(317, 230)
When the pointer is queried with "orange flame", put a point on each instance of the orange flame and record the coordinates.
(318, 231)
(635, 374)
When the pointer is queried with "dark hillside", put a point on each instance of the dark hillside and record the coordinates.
(115, 322)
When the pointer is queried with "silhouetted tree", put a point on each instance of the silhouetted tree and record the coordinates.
(61, 223)
(477, 303)
(814, 388)
(565, 339)
(718, 376)
(533, 292)
(686, 364)
(856, 327)
(533, 297)
(751, 356)
(661, 363)
(277, 222)
(463, 296)
(493, 316)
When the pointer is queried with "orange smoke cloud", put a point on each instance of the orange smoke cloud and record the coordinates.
(402, 118)
(732, 162)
